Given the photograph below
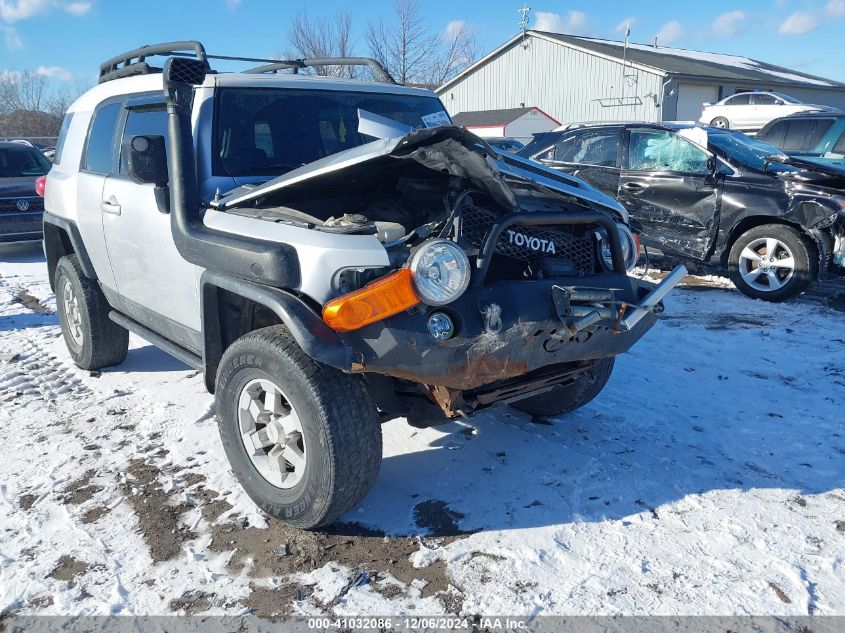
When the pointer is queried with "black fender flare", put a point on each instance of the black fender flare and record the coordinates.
(55, 248)
(310, 332)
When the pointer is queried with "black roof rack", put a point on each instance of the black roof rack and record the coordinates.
(134, 62)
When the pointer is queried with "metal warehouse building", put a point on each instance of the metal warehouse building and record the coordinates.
(575, 78)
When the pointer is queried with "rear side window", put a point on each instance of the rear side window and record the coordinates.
(60, 144)
(739, 100)
(804, 136)
(775, 134)
(100, 147)
(839, 148)
(147, 121)
(598, 148)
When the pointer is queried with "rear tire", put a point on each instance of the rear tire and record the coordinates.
(93, 340)
(773, 262)
(325, 417)
(721, 122)
(567, 398)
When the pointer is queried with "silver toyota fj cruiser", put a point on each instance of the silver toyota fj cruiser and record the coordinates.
(323, 250)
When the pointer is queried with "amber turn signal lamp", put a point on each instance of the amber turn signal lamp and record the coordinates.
(382, 298)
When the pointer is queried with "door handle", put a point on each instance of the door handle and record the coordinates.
(634, 187)
(110, 206)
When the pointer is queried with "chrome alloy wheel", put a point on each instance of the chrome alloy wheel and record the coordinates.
(272, 433)
(73, 318)
(766, 264)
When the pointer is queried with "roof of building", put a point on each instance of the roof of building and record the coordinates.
(675, 61)
(481, 118)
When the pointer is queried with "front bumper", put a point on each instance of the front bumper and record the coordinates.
(505, 331)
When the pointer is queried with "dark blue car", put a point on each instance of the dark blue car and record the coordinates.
(21, 209)
(819, 136)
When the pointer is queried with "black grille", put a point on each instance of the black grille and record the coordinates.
(529, 243)
(11, 204)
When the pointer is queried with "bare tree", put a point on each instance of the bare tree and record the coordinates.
(29, 107)
(458, 49)
(413, 53)
(21, 91)
(323, 37)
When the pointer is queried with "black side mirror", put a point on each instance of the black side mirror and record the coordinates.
(147, 159)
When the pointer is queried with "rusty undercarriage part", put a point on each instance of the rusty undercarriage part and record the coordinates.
(455, 402)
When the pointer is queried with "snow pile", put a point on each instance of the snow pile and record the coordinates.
(708, 478)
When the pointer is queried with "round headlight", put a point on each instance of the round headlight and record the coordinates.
(629, 249)
(440, 270)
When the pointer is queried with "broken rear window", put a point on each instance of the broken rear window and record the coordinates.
(267, 132)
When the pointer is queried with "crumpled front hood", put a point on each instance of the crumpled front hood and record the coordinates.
(448, 148)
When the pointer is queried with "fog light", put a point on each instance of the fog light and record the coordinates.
(440, 326)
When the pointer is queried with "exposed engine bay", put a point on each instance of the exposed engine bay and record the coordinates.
(437, 184)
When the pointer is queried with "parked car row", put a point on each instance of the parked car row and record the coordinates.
(711, 194)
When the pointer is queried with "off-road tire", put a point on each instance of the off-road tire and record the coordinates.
(721, 122)
(340, 424)
(104, 343)
(569, 397)
(803, 251)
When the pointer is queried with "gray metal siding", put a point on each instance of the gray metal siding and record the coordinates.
(563, 82)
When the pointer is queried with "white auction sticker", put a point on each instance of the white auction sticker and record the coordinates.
(436, 119)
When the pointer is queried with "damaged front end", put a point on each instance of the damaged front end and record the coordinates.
(500, 279)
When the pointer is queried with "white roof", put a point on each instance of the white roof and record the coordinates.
(154, 82)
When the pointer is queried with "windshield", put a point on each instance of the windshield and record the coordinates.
(742, 149)
(21, 162)
(786, 98)
(267, 132)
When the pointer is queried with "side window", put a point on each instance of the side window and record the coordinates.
(804, 135)
(650, 150)
(775, 134)
(99, 148)
(563, 147)
(839, 148)
(739, 100)
(60, 144)
(596, 148)
(144, 121)
(764, 99)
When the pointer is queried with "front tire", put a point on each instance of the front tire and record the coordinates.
(303, 439)
(721, 122)
(93, 340)
(567, 398)
(773, 262)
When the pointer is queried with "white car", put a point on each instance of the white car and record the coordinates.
(752, 110)
(334, 279)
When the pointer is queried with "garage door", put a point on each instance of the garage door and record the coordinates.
(690, 98)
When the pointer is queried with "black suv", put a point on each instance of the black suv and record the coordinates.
(713, 195)
(21, 209)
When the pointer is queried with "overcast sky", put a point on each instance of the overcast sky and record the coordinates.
(67, 39)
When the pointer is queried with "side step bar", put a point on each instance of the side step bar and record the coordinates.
(177, 351)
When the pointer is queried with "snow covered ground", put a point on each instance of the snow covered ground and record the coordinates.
(708, 478)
